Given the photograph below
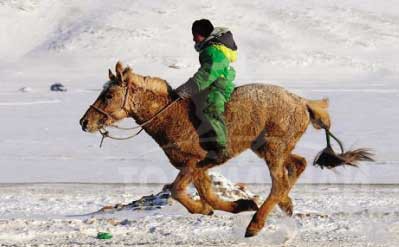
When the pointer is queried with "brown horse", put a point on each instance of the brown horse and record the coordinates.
(264, 118)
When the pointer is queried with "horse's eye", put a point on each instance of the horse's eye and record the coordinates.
(108, 96)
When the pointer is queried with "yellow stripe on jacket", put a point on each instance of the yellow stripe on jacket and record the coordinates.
(229, 53)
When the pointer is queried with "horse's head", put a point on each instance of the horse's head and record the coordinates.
(112, 105)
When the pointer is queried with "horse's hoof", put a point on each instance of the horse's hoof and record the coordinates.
(250, 232)
(287, 207)
(254, 226)
(203, 212)
(245, 205)
(207, 210)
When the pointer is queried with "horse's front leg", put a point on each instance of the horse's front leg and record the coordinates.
(203, 184)
(178, 190)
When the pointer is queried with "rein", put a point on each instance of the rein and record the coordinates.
(149, 120)
(105, 133)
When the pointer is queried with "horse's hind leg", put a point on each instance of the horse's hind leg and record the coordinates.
(295, 165)
(279, 191)
(275, 152)
(203, 184)
(178, 189)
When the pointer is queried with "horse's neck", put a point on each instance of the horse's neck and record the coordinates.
(149, 105)
(148, 102)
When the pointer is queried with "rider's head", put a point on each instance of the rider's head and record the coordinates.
(201, 29)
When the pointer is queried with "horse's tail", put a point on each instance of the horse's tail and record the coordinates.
(320, 119)
(319, 116)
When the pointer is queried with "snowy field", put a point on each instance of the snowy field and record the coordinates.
(325, 215)
(346, 50)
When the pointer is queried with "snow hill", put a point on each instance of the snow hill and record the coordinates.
(345, 50)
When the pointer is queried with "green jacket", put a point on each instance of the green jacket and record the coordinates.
(216, 54)
(215, 70)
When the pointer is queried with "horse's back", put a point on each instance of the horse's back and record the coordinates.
(254, 107)
(257, 98)
(263, 93)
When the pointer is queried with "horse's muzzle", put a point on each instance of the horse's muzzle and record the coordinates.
(84, 122)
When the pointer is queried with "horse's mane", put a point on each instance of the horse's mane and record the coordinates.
(153, 84)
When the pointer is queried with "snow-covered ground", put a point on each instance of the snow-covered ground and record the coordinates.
(346, 50)
(325, 215)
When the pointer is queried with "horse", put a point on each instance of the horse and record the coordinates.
(266, 119)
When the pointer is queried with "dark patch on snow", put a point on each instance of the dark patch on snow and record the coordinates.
(58, 87)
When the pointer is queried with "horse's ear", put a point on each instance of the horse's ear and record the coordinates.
(124, 77)
(118, 67)
(127, 71)
(119, 71)
(111, 76)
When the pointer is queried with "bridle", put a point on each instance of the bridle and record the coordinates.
(105, 132)
(123, 106)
